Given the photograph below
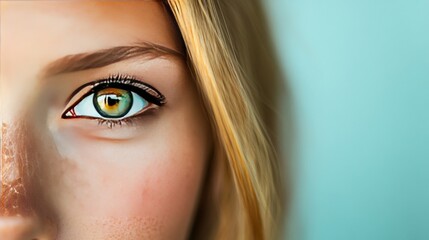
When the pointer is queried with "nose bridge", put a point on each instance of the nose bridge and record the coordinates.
(23, 212)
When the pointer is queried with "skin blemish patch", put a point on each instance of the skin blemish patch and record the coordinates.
(13, 197)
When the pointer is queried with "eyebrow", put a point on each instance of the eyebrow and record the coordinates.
(104, 57)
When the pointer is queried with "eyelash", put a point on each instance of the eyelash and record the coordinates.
(113, 123)
(126, 82)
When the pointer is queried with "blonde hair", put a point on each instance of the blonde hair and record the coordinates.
(236, 73)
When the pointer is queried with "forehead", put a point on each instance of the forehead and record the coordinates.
(46, 30)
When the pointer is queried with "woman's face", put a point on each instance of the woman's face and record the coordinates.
(101, 119)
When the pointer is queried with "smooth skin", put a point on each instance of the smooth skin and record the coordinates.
(140, 180)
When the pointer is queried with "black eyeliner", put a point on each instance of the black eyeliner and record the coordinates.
(126, 82)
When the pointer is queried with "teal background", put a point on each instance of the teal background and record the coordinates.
(359, 78)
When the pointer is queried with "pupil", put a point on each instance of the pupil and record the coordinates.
(113, 100)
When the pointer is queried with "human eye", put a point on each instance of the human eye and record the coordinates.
(113, 101)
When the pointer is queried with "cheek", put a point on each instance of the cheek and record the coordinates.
(150, 193)
(148, 185)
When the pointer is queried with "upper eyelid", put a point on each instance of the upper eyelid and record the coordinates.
(134, 83)
(120, 79)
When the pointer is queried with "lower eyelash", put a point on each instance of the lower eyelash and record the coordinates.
(130, 121)
(114, 123)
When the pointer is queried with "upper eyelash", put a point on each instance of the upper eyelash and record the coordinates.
(125, 80)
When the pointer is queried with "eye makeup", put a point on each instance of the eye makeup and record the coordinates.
(113, 100)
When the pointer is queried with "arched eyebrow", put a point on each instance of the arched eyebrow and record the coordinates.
(104, 57)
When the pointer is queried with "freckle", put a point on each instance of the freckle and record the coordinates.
(128, 228)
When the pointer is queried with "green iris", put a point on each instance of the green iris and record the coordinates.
(113, 102)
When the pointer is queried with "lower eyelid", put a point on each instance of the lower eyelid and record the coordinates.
(77, 111)
(129, 121)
